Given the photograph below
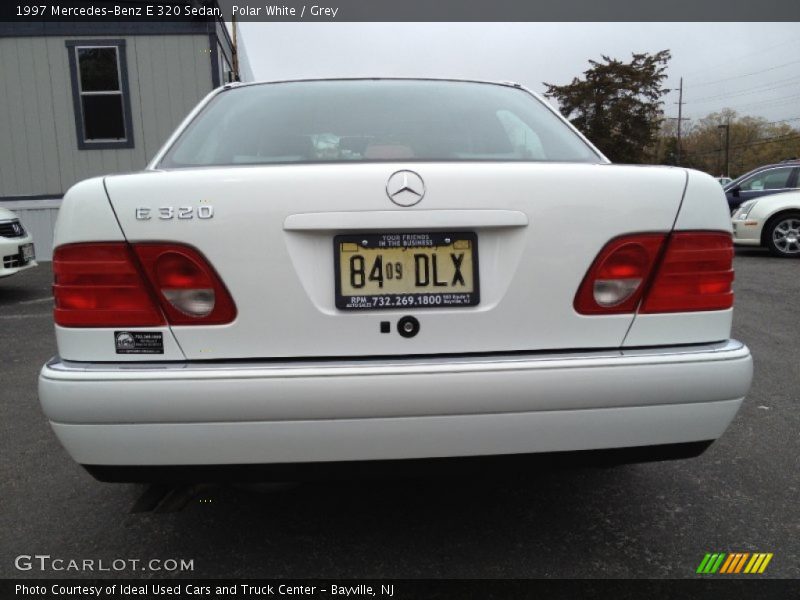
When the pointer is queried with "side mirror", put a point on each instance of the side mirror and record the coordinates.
(735, 191)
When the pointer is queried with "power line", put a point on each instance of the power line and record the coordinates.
(761, 142)
(776, 67)
(783, 138)
(791, 81)
(738, 58)
(762, 123)
(783, 120)
(765, 104)
(793, 100)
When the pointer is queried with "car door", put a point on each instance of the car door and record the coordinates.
(768, 181)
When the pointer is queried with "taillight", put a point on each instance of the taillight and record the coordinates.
(656, 273)
(190, 291)
(616, 280)
(696, 273)
(100, 285)
(114, 284)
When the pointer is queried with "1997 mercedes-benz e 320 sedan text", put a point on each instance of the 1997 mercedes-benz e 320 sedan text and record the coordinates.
(359, 270)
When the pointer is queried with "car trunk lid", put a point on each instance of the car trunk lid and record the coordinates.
(269, 233)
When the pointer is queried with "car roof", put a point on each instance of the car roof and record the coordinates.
(789, 162)
(239, 84)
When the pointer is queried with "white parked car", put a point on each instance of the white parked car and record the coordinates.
(316, 273)
(772, 222)
(16, 245)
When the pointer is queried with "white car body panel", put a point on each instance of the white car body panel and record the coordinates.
(9, 247)
(421, 386)
(339, 440)
(222, 413)
(703, 204)
(90, 343)
(678, 328)
(85, 215)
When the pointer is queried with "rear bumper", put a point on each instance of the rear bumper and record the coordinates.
(179, 414)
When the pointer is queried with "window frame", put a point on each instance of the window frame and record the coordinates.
(77, 93)
(765, 173)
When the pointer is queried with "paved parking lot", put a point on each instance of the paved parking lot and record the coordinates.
(653, 520)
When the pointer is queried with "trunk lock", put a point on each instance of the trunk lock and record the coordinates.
(408, 327)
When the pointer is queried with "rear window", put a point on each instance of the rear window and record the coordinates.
(373, 121)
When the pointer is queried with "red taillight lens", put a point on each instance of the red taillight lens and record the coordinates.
(616, 280)
(189, 290)
(684, 272)
(695, 274)
(114, 284)
(99, 285)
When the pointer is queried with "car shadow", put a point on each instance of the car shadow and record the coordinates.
(754, 252)
(13, 292)
(31, 285)
(416, 527)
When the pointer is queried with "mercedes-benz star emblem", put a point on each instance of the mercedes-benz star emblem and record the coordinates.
(405, 188)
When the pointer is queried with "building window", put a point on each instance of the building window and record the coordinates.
(100, 94)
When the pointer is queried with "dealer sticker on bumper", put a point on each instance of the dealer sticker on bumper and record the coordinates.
(139, 342)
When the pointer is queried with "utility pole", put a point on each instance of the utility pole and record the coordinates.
(680, 118)
(728, 148)
(235, 51)
(727, 128)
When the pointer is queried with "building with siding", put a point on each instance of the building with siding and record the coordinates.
(79, 100)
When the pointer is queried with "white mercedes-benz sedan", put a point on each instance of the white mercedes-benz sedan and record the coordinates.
(16, 245)
(328, 273)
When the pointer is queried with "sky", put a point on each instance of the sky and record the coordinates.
(753, 68)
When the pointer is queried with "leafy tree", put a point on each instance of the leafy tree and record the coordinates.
(754, 141)
(617, 105)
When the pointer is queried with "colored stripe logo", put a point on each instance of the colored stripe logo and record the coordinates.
(734, 562)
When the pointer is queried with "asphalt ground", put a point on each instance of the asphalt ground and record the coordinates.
(646, 520)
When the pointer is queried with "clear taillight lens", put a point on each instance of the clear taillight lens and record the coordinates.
(184, 284)
(189, 289)
(195, 302)
(615, 281)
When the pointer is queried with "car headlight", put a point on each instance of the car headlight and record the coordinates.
(745, 209)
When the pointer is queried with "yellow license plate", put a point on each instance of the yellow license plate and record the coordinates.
(406, 270)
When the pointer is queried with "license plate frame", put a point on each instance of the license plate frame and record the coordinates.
(407, 301)
(27, 253)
